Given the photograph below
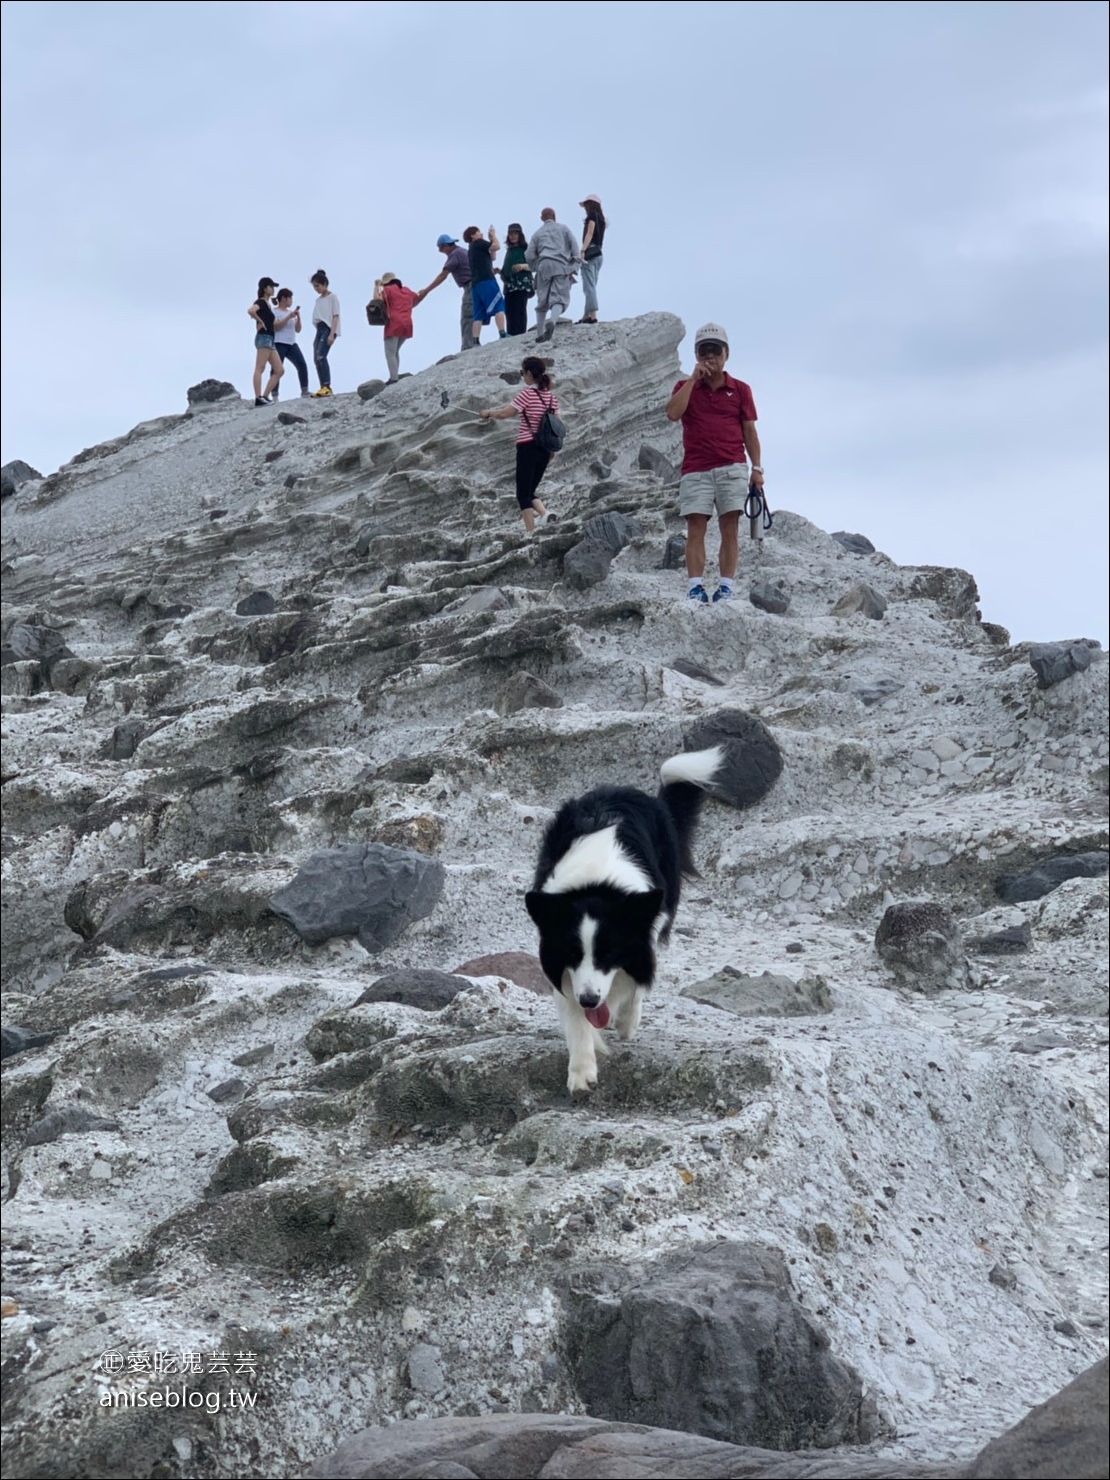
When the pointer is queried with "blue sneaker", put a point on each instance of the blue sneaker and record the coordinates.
(699, 594)
(722, 593)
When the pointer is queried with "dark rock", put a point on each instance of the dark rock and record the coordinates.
(762, 996)
(558, 1446)
(862, 598)
(710, 1340)
(428, 990)
(769, 598)
(291, 481)
(288, 419)
(14, 1039)
(953, 590)
(71, 675)
(1049, 875)
(1052, 662)
(67, 1120)
(518, 966)
(371, 388)
(920, 941)
(1066, 1328)
(227, 1089)
(874, 693)
(254, 1056)
(208, 391)
(586, 565)
(524, 690)
(365, 889)
(674, 553)
(996, 634)
(28, 642)
(126, 738)
(651, 460)
(1068, 1435)
(1003, 1277)
(1040, 1043)
(273, 456)
(217, 514)
(256, 604)
(795, 948)
(1008, 942)
(76, 911)
(327, 415)
(696, 672)
(613, 531)
(510, 377)
(13, 475)
(855, 544)
(751, 761)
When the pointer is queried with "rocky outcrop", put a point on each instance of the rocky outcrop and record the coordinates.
(347, 1147)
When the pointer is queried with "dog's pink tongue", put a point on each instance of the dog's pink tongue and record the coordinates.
(599, 1016)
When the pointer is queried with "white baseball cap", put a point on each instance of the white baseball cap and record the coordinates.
(711, 331)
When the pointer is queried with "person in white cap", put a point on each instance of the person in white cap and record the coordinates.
(593, 235)
(718, 417)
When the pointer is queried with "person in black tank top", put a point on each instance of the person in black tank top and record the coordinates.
(264, 351)
(593, 234)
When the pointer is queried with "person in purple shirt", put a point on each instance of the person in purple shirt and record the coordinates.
(458, 267)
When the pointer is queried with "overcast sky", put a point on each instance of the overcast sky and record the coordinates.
(899, 211)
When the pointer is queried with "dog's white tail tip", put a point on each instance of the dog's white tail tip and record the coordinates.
(698, 767)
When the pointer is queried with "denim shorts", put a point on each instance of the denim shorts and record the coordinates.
(723, 489)
(487, 300)
(263, 341)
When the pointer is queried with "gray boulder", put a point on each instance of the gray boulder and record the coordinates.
(368, 890)
(674, 553)
(1008, 941)
(711, 1341)
(371, 388)
(1049, 875)
(14, 474)
(613, 530)
(256, 604)
(207, 392)
(855, 544)
(586, 564)
(426, 989)
(762, 996)
(920, 942)
(751, 760)
(769, 598)
(1068, 1435)
(651, 460)
(29, 642)
(67, 1120)
(126, 739)
(518, 966)
(1052, 662)
(14, 1039)
(862, 598)
(696, 672)
(523, 690)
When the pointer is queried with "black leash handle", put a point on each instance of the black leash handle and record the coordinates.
(755, 505)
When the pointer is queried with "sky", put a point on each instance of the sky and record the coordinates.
(897, 210)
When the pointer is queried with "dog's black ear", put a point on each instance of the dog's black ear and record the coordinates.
(646, 906)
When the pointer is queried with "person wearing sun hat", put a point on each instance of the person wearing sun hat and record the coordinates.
(399, 303)
(718, 418)
(593, 235)
(458, 267)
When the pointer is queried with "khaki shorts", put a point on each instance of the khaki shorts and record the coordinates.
(720, 489)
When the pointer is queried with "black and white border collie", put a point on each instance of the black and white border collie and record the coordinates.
(605, 893)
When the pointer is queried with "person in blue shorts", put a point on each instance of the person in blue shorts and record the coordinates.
(485, 291)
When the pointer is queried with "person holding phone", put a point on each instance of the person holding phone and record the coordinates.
(287, 325)
(487, 301)
(718, 417)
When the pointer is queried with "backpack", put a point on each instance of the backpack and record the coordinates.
(377, 314)
(551, 432)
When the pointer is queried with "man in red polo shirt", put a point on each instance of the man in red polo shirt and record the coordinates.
(718, 431)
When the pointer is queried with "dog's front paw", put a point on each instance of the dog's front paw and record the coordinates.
(582, 1078)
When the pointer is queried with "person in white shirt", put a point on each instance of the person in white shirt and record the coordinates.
(325, 316)
(287, 325)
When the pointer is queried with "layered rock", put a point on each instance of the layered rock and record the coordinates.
(222, 1135)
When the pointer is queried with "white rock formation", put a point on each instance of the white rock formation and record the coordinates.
(405, 1190)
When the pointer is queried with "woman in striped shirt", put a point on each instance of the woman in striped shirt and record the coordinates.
(530, 404)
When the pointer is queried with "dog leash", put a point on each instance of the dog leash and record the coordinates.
(755, 506)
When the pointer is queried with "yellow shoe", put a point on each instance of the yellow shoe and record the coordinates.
(325, 390)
